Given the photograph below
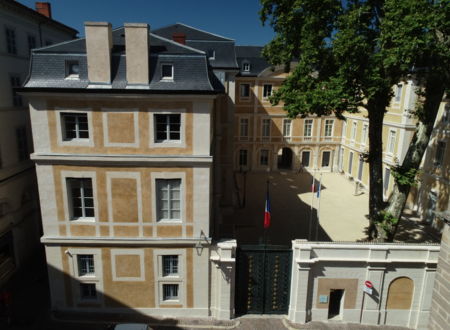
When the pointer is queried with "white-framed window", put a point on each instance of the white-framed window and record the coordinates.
(264, 157)
(440, 153)
(267, 90)
(306, 155)
(265, 127)
(168, 199)
(398, 93)
(211, 54)
(308, 127)
(81, 198)
(170, 292)
(350, 162)
(365, 133)
(244, 91)
(326, 157)
(167, 127)
(15, 83)
(354, 129)
(31, 39)
(167, 72)
(10, 37)
(72, 69)
(329, 123)
(243, 155)
(391, 141)
(74, 126)
(170, 275)
(287, 125)
(86, 266)
(243, 128)
(246, 67)
(22, 143)
(170, 265)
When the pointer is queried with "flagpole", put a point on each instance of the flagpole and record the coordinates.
(318, 210)
(311, 209)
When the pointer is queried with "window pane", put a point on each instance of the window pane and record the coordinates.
(166, 71)
(170, 291)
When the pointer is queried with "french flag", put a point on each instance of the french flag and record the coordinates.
(267, 213)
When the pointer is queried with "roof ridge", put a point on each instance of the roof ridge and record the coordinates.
(207, 32)
(177, 44)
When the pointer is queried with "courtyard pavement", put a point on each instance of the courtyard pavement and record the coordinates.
(342, 215)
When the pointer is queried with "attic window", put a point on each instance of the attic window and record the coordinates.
(167, 72)
(211, 54)
(246, 67)
(72, 69)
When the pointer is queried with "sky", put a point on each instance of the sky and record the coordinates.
(235, 19)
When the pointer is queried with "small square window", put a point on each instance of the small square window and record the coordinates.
(74, 126)
(167, 72)
(246, 67)
(167, 127)
(85, 265)
(88, 291)
(267, 90)
(211, 54)
(170, 265)
(170, 291)
(72, 69)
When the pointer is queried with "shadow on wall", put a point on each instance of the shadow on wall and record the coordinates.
(290, 215)
(31, 309)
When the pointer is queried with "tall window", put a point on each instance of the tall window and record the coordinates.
(267, 90)
(85, 265)
(243, 157)
(31, 42)
(329, 127)
(391, 141)
(170, 265)
(243, 129)
(287, 123)
(11, 41)
(81, 198)
(398, 92)
(365, 131)
(308, 127)
(264, 157)
(265, 127)
(350, 162)
(387, 177)
(15, 82)
(170, 291)
(168, 193)
(22, 144)
(305, 158)
(74, 126)
(326, 158)
(440, 152)
(167, 127)
(354, 128)
(244, 90)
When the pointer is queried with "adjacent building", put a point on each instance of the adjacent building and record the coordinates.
(21, 30)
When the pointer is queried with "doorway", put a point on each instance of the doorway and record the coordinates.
(335, 306)
(285, 159)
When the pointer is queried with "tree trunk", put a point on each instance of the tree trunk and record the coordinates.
(434, 93)
(376, 109)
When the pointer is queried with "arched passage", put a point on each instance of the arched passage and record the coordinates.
(400, 293)
(285, 158)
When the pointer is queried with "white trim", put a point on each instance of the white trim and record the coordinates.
(74, 142)
(152, 132)
(169, 175)
(130, 252)
(107, 143)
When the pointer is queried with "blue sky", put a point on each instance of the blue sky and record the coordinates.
(236, 19)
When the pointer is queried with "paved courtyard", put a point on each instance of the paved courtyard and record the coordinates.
(342, 215)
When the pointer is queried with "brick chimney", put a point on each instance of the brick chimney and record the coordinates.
(136, 49)
(44, 8)
(179, 37)
(98, 51)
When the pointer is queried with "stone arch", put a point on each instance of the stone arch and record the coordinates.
(400, 293)
(285, 158)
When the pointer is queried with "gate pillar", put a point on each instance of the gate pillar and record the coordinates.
(223, 279)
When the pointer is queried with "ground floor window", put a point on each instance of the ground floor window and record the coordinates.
(242, 157)
(170, 291)
(264, 157)
(305, 158)
(326, 155)
(88, 291)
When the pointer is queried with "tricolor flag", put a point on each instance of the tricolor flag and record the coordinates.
(313, 185)
(267, 212)
(320, 186)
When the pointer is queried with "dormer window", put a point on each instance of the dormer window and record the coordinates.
(167, 72)
(211, 54)
(246, 67)
(72, 69)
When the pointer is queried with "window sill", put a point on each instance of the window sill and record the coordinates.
(82, 220)
(169, 221)
(167, 80)
(72, 77)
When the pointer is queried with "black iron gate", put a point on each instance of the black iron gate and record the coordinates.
(263, 279)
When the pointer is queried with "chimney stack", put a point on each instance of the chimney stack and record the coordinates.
(98, 51)
(44, 8)
(179, 37)
(137, 53)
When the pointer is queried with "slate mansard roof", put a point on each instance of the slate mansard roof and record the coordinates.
(251, 55)
(191, 73)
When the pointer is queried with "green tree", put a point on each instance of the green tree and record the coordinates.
(349, 54)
